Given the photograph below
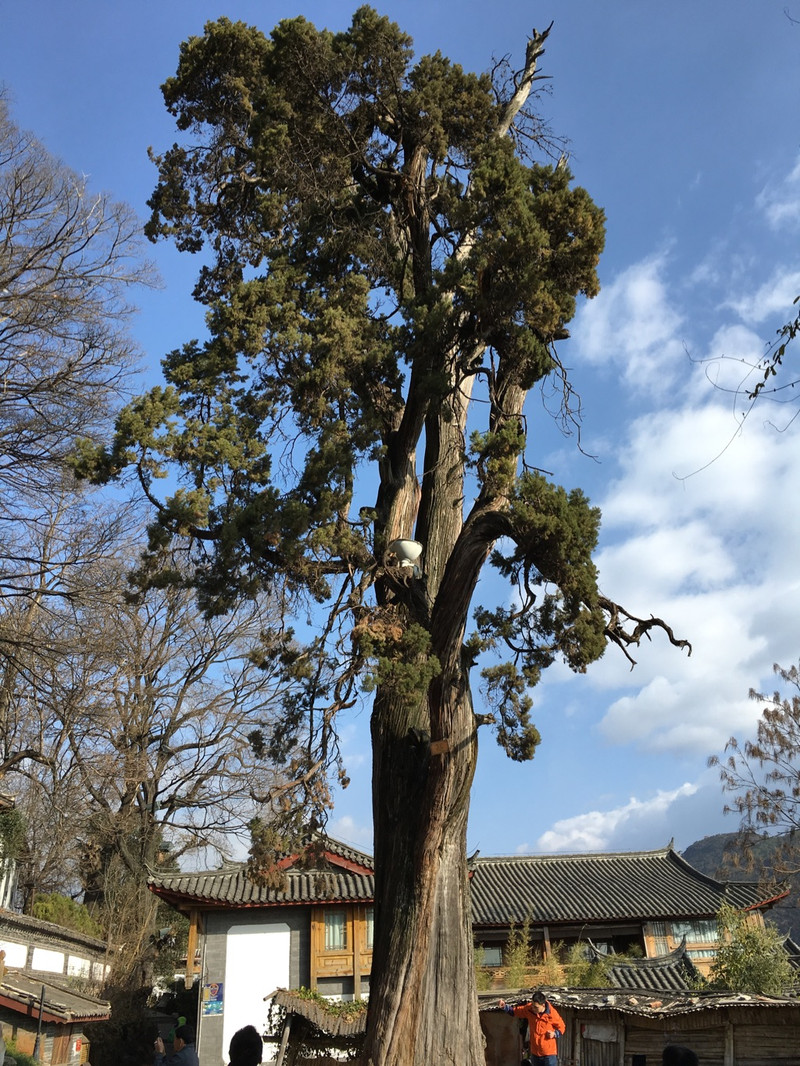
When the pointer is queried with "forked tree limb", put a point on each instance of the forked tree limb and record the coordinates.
(623, 637)
(14, 758)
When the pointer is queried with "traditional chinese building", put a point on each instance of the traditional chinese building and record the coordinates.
(315, 929)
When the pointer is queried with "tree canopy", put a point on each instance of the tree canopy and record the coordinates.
(375, 248)
(750, 958)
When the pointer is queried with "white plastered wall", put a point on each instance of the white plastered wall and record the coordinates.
(256, 963)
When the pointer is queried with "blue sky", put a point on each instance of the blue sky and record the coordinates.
(682, 122)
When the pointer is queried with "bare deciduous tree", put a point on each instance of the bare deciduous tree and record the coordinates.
(67, 258)
(146, 717)
(763, 775)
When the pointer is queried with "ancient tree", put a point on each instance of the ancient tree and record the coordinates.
(386, 269)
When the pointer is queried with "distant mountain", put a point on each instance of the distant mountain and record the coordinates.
(709, 857)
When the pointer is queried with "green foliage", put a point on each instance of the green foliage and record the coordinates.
(400, 658)
(506, 690)
(550, 562)
(61, 910)
(518, 958)
(582, 970)
(483, 973)
(559, 614)
(22, 1058)
(267, 845)
(384, 268)
(171, 942)
(773, 360)
(12, 833)
(750, 958)
(547, 971)
(347, 1009)
(306, 176)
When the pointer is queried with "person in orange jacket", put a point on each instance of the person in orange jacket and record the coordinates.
(545, 1026)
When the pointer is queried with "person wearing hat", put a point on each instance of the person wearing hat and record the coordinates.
(183, 1052)
(180, 1020)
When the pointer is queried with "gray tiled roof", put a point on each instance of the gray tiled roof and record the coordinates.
(665, 973)
(594, 888)
(345, 877)
(334, 1024)
(25, 926)
(793, 951)
(233, 887)
(22, 992)
(553, 889)
(585, 1001)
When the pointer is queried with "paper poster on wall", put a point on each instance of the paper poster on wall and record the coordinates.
(212, 999)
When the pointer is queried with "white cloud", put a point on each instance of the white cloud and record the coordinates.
(714, 557)
(775, 296)
(597, 830)
(689, 555)
(780, 201)
(699, 462)
(349, 831)
(681, 815)
(699, 528)
(632, 326)
(679, 717)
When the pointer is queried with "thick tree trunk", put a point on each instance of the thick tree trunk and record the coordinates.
(423, 938)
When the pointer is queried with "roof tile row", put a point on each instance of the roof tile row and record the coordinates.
(605, 887)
